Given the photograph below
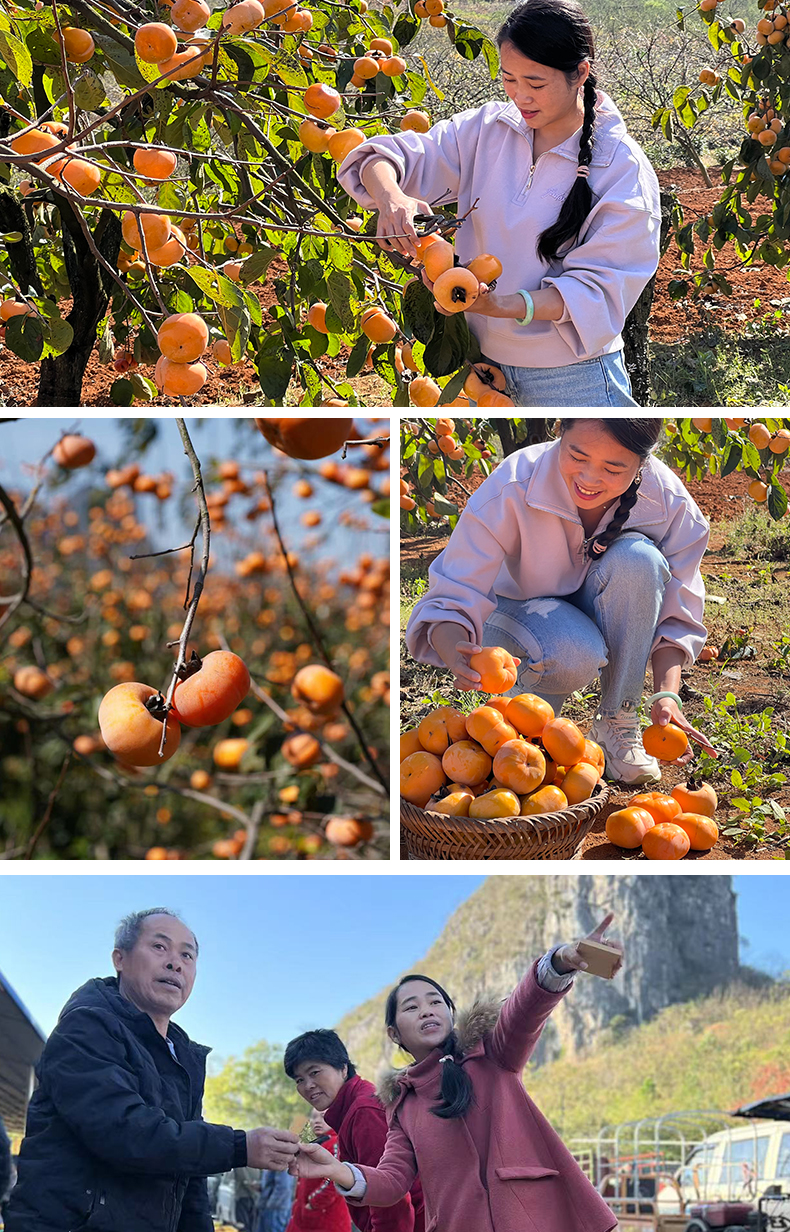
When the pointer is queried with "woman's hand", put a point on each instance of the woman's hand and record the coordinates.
(396, 217)
(451, 643)
(487, 304)
(567, 958)
(313, 1162)
(664, 711)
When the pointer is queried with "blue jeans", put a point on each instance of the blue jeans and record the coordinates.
(591, 382)
(606, 627)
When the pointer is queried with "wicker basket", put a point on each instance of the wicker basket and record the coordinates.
(549, 836)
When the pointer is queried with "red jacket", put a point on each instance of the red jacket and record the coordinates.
(361, 1123)
(318, 1207)
(501, 1167)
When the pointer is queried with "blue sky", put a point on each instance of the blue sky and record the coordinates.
(24, 441)
(280, 953)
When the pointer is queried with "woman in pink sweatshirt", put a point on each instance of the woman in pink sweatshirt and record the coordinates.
(489, 1161)
(566, 200)
(581, 557)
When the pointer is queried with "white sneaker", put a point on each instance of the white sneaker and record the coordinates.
(626, 759)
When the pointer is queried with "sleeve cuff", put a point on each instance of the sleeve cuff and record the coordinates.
(358, 1189)
(239, 1148)
(548, 977)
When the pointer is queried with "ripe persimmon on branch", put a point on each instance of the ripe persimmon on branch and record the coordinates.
(154, 168)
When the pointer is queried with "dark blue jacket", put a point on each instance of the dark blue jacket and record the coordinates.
(115, 1140)
(5, 1163)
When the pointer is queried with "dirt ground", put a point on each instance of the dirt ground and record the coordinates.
(670, 322)
(756, 688)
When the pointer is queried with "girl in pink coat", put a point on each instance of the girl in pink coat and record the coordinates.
(488, 1160)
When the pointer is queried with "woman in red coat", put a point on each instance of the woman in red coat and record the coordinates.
(488, 1160)
(318, 1207)
(326, 1079)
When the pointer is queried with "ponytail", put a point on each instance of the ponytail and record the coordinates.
(597, 546)
(578, 203)
(456, 1091)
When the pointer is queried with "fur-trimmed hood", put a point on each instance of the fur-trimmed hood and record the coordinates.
(471, 1027)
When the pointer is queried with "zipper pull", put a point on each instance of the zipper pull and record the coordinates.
(531, 173)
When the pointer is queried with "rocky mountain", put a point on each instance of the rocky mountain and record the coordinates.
(680, 936)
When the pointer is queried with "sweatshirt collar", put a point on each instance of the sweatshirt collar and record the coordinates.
(609, 132)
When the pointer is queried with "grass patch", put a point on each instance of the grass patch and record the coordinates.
(715, 369)
(755, 535)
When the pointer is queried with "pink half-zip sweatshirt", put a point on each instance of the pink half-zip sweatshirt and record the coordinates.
(520, 536)
(485, 156)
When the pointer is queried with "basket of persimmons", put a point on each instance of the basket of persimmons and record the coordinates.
(509, 781)
(513, 781)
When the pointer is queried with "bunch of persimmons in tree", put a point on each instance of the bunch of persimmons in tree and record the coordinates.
(164, 160)
(748, 77)
(437, 455)
(512, 757)
(255, 726)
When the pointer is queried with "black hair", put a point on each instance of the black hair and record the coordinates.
(638, 436)
(322, 1045)
(456, 1089)
(557, 33)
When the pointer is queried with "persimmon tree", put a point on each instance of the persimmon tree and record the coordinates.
(161, 161)
(439, 455)
(749, 79)
(225, 697)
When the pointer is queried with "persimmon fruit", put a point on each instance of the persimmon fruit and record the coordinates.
(563, 742)
(31, 681)
(660, 807)
(227, 754)
(183, 337)
(156, 229)
(456, 289)
(243, 17)
(666, 841)
(692, 797)
(313, 137)
(318, 688)
(212, 693)
(321, 100)
(154, 164)
(421, 775)
(702, 831)
(466, 762)
(520, 766)
(415, 122)
(306, 439)
(666, 743)
(490, 728)
(131, 731)
(627, 827)
(499, 803)
(155, 42)
(73, 451)
(528, 713)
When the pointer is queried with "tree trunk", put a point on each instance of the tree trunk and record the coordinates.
(537, 432)
(636, 330)
(61, 376)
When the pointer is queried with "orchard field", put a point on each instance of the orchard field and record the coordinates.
(159, 539)
(737, 693)
(227, 149)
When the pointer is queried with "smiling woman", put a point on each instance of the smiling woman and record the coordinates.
(556, 188)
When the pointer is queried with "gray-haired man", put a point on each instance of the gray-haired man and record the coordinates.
(115, 1140)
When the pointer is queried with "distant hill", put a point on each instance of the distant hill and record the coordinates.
(680, 934)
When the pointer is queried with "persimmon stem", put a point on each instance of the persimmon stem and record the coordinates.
(191, 604)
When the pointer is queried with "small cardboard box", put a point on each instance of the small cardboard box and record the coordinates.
(601, 959)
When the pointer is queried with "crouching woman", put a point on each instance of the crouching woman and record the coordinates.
(488, 1160)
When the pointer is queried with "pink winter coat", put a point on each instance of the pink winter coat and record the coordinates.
(501, 1167)
(520, 536)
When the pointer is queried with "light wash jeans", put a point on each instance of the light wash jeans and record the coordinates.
(606, 627)
(591, 382)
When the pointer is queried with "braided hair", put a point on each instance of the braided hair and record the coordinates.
(639, 436)
(557, 33)
(456, 1089)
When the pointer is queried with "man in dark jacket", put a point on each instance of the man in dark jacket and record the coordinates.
(115, 1139)
(6, 1164)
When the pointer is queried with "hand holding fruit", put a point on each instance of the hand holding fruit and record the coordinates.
(451, 643)
(273, 1149)
(664, 711)
(567, 958)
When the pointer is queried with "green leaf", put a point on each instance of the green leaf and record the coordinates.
(448, 346)
(491, 55)
(124, 65)
(419, 314)
(439, 93)
(24, 335)
(405, 29)
(453, 388)
(680, 96)
(142, 387)
(359, 352)
(274, 372)
(341, 254)
(236, 323)
(89, 91)
(777, 500)
(216, 286)
(254, 268)
(18, 58)
(340, 289)
(122, 391)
